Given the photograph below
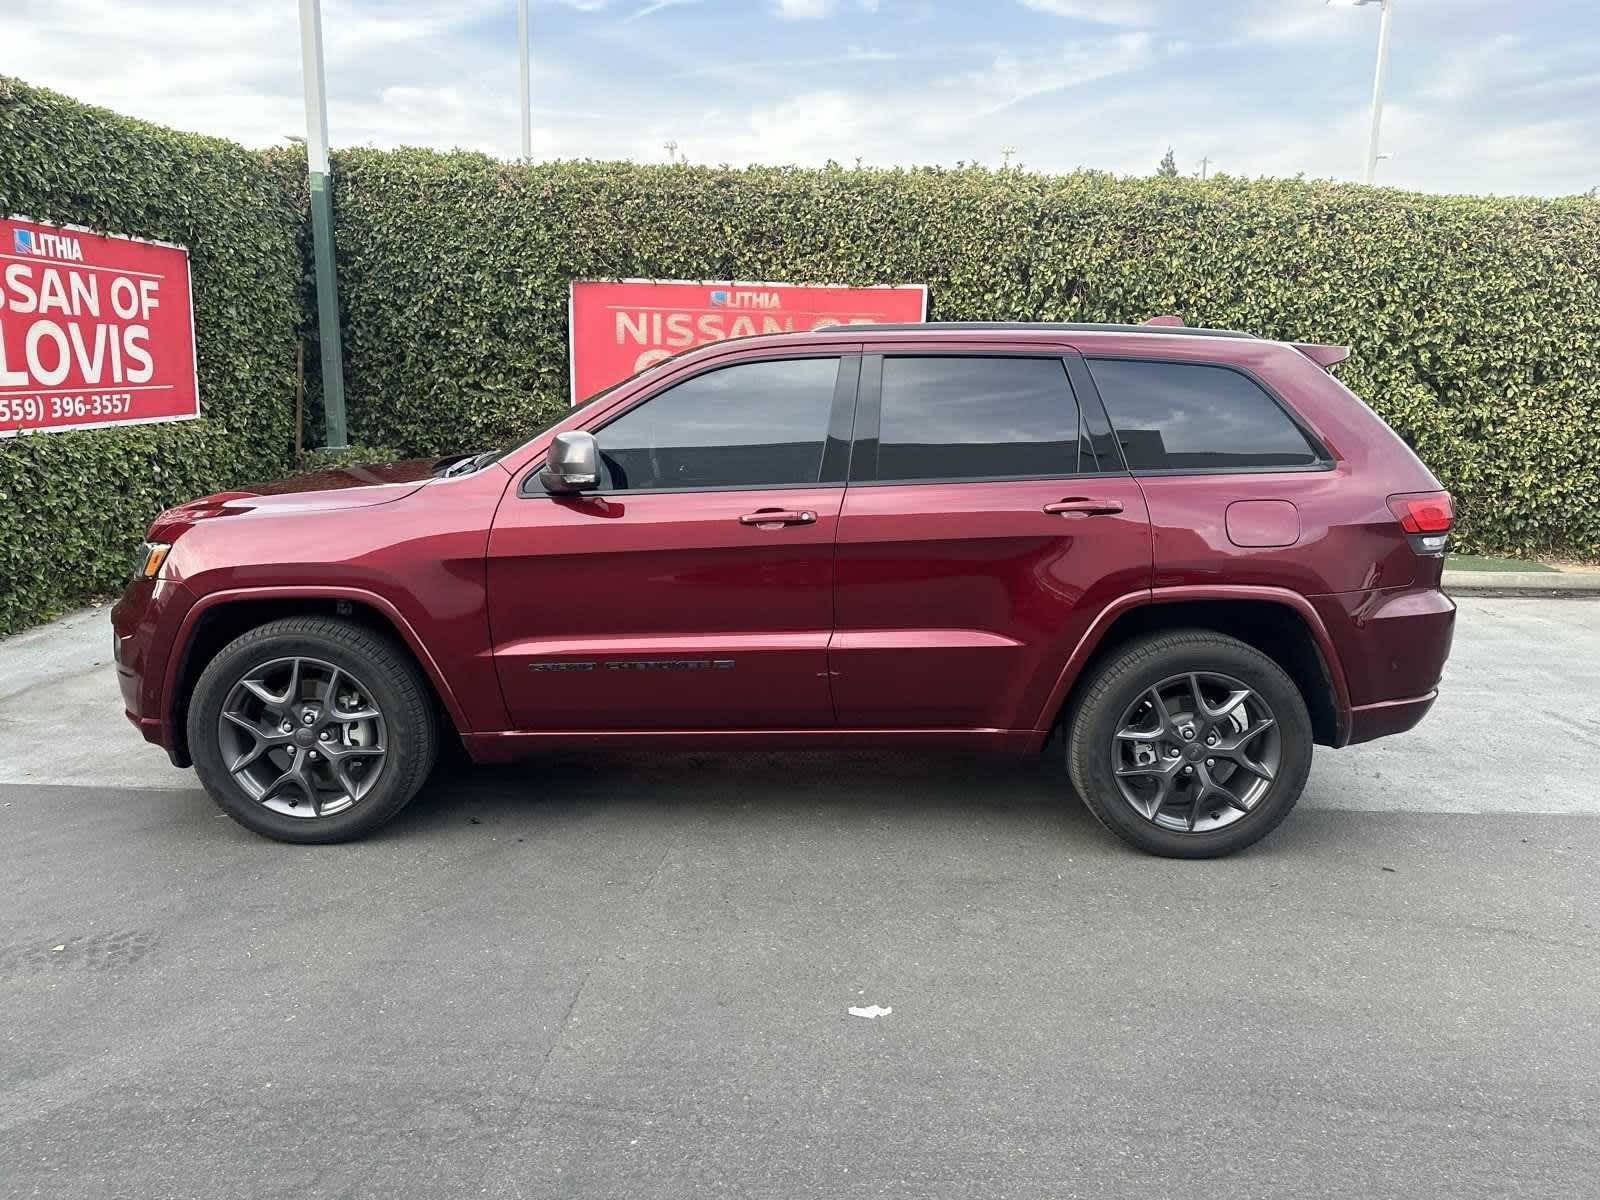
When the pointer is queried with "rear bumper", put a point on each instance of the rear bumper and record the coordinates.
(1371, 721)
(1392, 644)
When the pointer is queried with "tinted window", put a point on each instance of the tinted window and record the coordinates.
(1178, 416)
(751, 425)
(976, 418)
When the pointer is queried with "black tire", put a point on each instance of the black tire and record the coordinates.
(386, 671)
(1127, 676)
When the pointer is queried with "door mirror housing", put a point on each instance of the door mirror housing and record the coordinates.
(572, 464)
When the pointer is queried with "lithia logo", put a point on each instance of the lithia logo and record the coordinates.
(46, 245)
(725, 298)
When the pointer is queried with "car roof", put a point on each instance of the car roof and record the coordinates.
(935, 331)
(1040, 327)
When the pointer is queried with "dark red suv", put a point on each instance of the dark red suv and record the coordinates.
(1188, 554)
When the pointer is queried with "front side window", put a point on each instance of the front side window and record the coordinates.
(757, 424)
(983, 417)
(1187, 417)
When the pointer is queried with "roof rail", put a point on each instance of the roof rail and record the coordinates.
(1052, 326)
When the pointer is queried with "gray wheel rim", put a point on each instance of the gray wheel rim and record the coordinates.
(1196, 752)
(302, 737)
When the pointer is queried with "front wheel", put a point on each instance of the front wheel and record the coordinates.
(311, 729)
(1190, 744)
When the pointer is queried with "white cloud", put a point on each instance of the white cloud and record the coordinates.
(1100, 12)
(1472, 112)
(1462, 72)
(967, 116)
(655, 6)
(1532, 144)
(756, 72)
(232, 67)
(1588, 81)
(1010, 79)
(804, 10)
(1287, 23)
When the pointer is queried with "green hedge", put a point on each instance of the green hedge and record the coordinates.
(73, 506)
(1474, 321)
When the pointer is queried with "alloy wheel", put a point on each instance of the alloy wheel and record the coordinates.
(302, 737)
(1196, 752)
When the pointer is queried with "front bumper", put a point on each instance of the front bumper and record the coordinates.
(144, 628)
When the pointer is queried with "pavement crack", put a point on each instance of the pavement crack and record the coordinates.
(530, 1097)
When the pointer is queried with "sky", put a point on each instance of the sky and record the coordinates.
(1498, 96)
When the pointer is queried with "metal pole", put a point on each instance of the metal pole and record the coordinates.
(527, 100)
(1377, 90)
(334, 432)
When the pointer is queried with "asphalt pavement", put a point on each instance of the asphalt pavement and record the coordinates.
(631, 974)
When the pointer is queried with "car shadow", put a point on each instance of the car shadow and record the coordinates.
(1026, 797)
(886, 785)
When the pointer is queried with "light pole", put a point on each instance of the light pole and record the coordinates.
(527, 101)
(334, 432)
(1387, 7)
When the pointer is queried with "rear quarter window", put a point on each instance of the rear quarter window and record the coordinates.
(1193, 417)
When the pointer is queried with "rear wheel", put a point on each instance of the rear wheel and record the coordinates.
(311, 729)
(1190, 744)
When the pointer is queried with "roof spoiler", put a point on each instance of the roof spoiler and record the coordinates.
(1325, 357)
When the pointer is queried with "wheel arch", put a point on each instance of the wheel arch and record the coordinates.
(1281, 624)
(219, 617)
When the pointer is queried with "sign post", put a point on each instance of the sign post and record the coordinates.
(95, 330)
(618, 328)
(322, 226)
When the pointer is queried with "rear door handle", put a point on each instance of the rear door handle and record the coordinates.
(1083, 506)
(779, 516)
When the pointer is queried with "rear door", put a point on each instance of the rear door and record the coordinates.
(987, 522)
(694, 589)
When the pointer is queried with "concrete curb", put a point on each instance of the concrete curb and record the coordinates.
(1533, 582)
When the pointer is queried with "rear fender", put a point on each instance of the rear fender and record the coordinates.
(1096, 632)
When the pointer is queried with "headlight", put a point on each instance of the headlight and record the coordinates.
(151, 556)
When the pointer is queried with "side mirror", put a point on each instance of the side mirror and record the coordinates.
(572, 464)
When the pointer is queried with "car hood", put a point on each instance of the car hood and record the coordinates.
(335, 488)
(348, 487)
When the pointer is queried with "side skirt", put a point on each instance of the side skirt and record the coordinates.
(507, 747)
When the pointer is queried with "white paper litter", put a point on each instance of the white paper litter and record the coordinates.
(871, 1012)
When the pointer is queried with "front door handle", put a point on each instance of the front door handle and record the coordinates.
(769, 517)
(1082, 506)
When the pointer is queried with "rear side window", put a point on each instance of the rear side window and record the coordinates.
(1187, 417)
(976, 418)
(758, 424)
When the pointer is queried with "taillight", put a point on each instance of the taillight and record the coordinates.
(1426, 517)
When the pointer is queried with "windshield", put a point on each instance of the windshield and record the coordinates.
(565, 413)
(559, 417)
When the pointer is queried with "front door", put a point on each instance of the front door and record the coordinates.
(987, 523)
(693, 589)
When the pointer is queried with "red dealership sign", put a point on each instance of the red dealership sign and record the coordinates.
(620, 328)
(94, 330)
